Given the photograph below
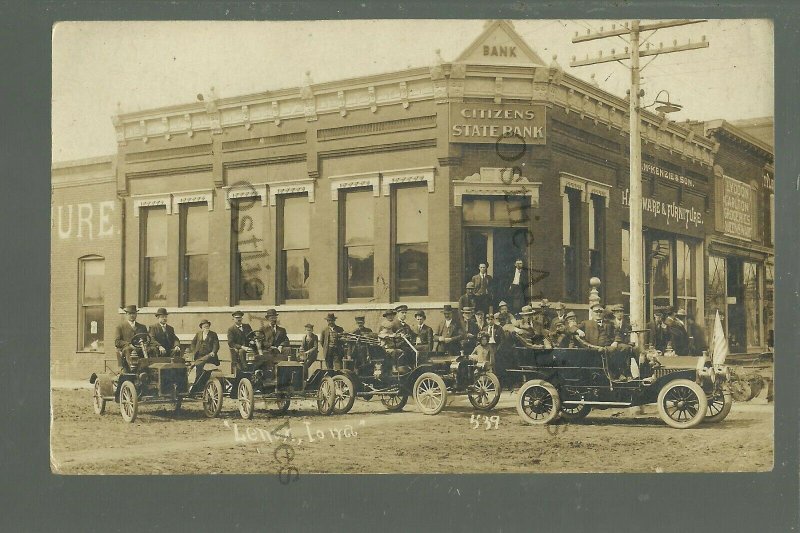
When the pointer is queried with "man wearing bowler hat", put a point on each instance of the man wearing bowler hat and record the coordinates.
(275, 338)
(331, 349)
(124, 335)
(449, 334)
(168, 343)
(424, 333)
(310, 346)
(237, 339)
(204, 348)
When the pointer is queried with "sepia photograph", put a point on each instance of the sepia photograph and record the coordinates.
(412, 247)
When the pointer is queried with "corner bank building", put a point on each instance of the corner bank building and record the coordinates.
(356, 195)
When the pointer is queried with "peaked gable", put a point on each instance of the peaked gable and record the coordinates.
(500, 44)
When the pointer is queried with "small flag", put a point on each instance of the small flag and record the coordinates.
(719, 344)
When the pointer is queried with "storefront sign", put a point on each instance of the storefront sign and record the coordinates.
(670, 214)
(84, 221)
(649, 168)
(737, 205)
(488, 123)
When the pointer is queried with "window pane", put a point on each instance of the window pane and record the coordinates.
(196, 227)
(626, 260)
(360, 265)
(685, 263)
(93, 272)
(716, 291)
(248, 225)
(251, 273)
(412, 271)
(93, 328)
(359, 220)
(476, 210)
(511, 211)
(296, 274)
(752, 304)
(155, 232)
(296, 224)
(661, 263)
(570, 274)
(155, 285)
(196, 278)
(411, 214)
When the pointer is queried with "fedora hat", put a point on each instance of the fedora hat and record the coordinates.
(161, 311)
(361, 318)
(130, 309)
(501, 304)
(526, 310)
(617, 307)
(470, 285)
(447, 307)
(330, 316)
(204, 321)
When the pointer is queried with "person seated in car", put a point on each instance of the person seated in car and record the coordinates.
(529, 333)
(163, 334)
(125, 334)
(424, 334)
(309, 347)
(676, 333)
(390, 341)
(204, 348)
(483, 352)
(620, 351)
(470, 328)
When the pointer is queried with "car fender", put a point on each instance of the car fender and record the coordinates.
(106, 383)
(653, 390)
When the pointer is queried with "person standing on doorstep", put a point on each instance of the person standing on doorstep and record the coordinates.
(237, 340)
(518, 288)
(482, 283)
(168, 343)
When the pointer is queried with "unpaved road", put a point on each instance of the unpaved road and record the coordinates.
(371, 440)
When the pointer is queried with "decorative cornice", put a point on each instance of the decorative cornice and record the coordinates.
(150, 200)
(407, 175)
(450, 161)
(586, 186)
(277, 188)
(493, 182)
(193, 196)
(245, 190)
(350, 181)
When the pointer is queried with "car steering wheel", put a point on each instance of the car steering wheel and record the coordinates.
(140, 340)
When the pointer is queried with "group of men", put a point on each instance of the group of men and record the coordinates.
(673, 330)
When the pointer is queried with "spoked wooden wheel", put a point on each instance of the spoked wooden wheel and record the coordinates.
(430, 393)
(325, 396)
(571, 413)
(538, 402)
(344, 394)
(682, 404)
(485, 392)
(394, 402)
(98, 402)
(719, 405)
(212, 397)
(244, 396)
(128, 402)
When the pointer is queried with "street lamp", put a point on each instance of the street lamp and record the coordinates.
(664, 106)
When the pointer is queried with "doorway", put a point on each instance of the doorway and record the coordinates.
(499, 248)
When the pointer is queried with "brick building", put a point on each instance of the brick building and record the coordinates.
(354, 195)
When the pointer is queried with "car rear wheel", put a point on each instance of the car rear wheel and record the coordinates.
(98, 402)
(485, 392)
(430, 393)
(244, 397)
(572, 413)
(344, 394)
(212, 397)
(719, 405)
(682, 404)
(128, 402)
(325, 396)
(394, 402)
(538, 402)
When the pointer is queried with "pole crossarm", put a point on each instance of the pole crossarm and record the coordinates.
(627, 30)
(642, 53)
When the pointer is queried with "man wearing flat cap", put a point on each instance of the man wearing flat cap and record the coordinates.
(361, 328)
(124, 335)
(468, 298)
(204, 348)
(329, 339)
(309, 347)
(504, 316)
(237, 339)
(448, 333)
(482, 283)
(424, 333)
(164, 335)
(402, 326)
(471, 330)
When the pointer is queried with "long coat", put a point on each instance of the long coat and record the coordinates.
(326, 339)
(275, 336)
(202, 347)
(168, 340)
(125, 333)
(596, 334)
(238, 339)
(454, 333)
(424, 341)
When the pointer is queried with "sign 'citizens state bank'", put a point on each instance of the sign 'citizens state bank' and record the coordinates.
(487, 123)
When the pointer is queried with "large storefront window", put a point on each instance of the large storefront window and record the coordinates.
(296, 229)
(686, 279)
(411, 240)
(249, 249)
(194, 272)
(660, 272)
(671, 278)
(571, 227)
(154, 264)
(716, 292)
(752, 304)
(90, 335)
(359, 248)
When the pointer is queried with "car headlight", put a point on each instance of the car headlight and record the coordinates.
(143, 378)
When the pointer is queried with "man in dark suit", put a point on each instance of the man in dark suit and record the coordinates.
(518, 287)
(620, 350)
(124, 335)
(493, 330)
(484, 296)
(237, 339)
(275, 340)
(448, 334)
(168, 343)
(331, 348)
(309, 346)
(596, 328)
(204, 348)
(361, 328)
(657, 331)
(424, 333)
(677, 333)
(468, 298)
(471, 330)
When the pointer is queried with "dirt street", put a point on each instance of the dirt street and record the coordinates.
(370, 440)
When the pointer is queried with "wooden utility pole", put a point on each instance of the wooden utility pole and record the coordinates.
(633, 30)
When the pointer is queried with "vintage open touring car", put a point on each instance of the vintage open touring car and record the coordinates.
(570, 382)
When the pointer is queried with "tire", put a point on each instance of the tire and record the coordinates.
(740, 390)
(395, 402)
(128, 402)
(345, 394)
(430, 393)
(98, 402)
(245, 399)
(212, 397)
(756, 384)
(538, 402)
(487, 392)
(682, 404)
(719, 405)
(325, 396)
(573, 413)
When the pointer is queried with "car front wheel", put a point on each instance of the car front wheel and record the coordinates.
(344, 394)
(485, 392)
(538, 402)
(430, 393)
(128, 402)
(212, 397)
(244, 396)
(682, 404)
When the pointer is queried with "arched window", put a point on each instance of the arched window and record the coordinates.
(91, 295)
